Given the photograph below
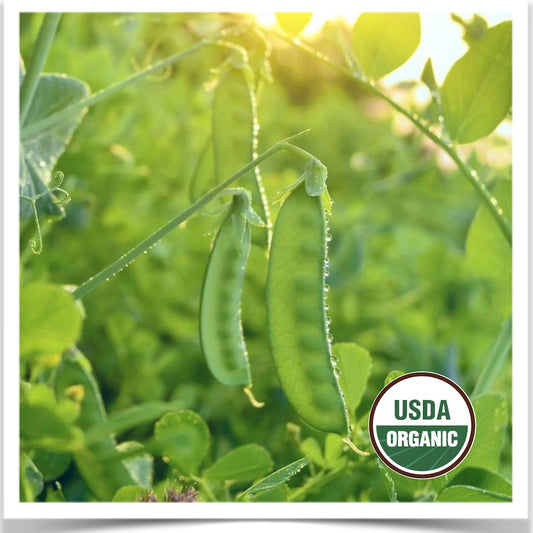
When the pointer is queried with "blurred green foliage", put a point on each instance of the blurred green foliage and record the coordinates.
(400, 284)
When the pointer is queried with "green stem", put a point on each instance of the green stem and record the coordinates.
(51, 121)
(37, 60)
(38, 127)
(314, 483)
(495, 359)
(482, 190)
(145, 245)
(205, 488)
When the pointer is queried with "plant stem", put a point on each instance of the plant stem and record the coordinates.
(314, 483)
(205, 487)
(40, 51)
(145, 245)
(53, 120)
(495, 359)
(482, 190)
(38, 127)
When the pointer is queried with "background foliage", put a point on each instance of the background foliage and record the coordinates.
(403, 283)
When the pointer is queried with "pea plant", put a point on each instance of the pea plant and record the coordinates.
(317, 288)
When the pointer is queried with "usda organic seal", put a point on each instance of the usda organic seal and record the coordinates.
(422, 425)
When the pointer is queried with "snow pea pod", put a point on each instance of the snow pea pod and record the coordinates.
(296, 312)
(221, 332)
(235, 128)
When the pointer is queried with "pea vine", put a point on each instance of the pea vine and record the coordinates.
(322, 381)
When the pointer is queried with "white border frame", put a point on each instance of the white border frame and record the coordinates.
(519, 506)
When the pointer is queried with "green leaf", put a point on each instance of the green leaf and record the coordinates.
(477, 92)
(39, 154)
(51, 464)
(31, 480)
(402, 488)
(388, 482)
(333, 449)
(461, 493)
(184, 438)
(140, 467)
(311, 449)
(103, 477)
(50, 320)
(385, 41)
(493, 360)
(392, 375)
(41, 394)
(275, 494)
(491, 419)
(293, 23)
(46, 421)
(244, 463)
(354, 363)
(483, 479)
(428, 77)
(129, 493)
(488, 253)
(130, 418)
(278, 477)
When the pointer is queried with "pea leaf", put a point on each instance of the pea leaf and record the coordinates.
(354, 363)
(402, 488)
(333, 448)
(385, 41)
(388, 482)
(392, 375)
(476, 94)
(491, 419)
(461, 493)
(50, 320)
(129, 418)
(275, 494)
(278, 477)
(428, 77)
(51, 464)
(139, 467)
(103, 477)
(293, 23)
(184, 438)
(311, 449)
(31, 480)
(129, 493)
(39, 152)
(47, 421)
(483, 479)
(244, 463)
(487, 251)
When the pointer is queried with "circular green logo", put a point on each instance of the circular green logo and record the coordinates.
(422, 425)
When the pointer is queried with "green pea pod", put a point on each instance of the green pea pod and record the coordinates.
(234, 129)
(74, 378)
(296, 312)
(221, 332)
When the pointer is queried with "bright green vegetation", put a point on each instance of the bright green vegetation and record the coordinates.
(144, 295)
